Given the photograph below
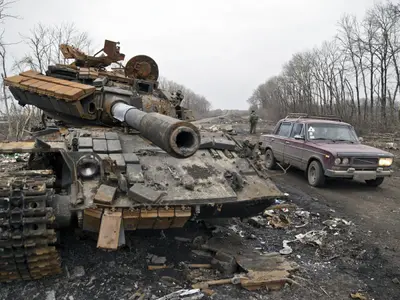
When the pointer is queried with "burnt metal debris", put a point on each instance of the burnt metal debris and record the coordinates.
(121, 154)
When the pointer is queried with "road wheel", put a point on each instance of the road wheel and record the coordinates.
(375, 182)
(315, 174)
(270, 161)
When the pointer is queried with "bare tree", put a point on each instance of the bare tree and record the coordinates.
(43, 42)
(348, 37)
(356, 74)
(3, 55)
(4, 6)
(198, 103)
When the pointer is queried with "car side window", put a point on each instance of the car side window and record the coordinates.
(284, 129)
(297, 129)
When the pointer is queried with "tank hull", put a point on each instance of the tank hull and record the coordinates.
(138, 185)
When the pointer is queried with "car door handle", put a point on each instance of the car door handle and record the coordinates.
(287, 142)
(272, 139)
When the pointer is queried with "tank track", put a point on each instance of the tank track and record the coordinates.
(27, 250)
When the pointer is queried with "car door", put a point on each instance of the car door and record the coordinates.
(280, 139)
(294, 146)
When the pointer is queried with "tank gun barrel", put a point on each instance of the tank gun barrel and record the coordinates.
(178, 138)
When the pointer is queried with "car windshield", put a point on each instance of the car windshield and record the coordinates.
(331, 132)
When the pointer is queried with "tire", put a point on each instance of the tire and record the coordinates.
(375, 182)
(270, 161)
(315, 174)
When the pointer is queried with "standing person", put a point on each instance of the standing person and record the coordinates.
(253, 122)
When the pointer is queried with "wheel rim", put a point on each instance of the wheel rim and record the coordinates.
(312, 174)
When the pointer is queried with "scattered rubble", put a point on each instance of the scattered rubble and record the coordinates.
(193, 294)
(336, 222)
(286, 248)
(154, 259)
(51, 295)
(78, 272)
(312, 237)
(358, 295)
(391, 146)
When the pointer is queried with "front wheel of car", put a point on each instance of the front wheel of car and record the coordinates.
(315, 174)
(375, 182)
(270, 161)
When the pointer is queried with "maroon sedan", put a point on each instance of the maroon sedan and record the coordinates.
(325, 147)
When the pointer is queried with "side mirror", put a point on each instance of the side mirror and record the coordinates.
(299, 137)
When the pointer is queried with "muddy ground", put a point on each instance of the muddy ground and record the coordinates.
(361, 256)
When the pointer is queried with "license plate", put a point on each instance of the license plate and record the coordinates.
(365, 176)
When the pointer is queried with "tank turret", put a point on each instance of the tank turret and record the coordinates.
(80, 104)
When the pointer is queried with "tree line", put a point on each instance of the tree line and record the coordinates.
(355, 75)
(42, 43)
(198, 103)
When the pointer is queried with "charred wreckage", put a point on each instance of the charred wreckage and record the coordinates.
(122, 156)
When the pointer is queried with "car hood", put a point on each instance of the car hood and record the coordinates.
(347, 149)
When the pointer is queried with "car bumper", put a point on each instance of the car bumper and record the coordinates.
(362, 174)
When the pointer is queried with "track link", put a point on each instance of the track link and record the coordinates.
(27, 250)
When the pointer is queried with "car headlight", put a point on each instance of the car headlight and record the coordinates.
(345, 161)
(88, 166)
(385, 162)
(338, 161)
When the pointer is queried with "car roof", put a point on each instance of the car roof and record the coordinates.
(311, 120)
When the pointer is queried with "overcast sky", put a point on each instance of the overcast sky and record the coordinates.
(220, 49)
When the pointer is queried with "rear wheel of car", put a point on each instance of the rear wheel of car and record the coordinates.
(375, 182)
(315, 174)
(270, 161)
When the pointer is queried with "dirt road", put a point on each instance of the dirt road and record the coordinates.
(376, 209)
(376, 213)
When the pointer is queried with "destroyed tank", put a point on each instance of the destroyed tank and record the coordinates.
(122, 156)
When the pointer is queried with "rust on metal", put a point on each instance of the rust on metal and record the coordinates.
(105, 194)
(165, 217)
(131, 219)
(45, 85)
(116, 76)
(70, 52)
(83, 60)
(25, 253)
(182, 215)
(92, 219)
(147, 218)
(88, 73)
(140, 218)
(141, 67)
(152, 104)
(31, 172)
(11, 146)
(110, 230)
(113, 51)
(28, 147)
(153, 267)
